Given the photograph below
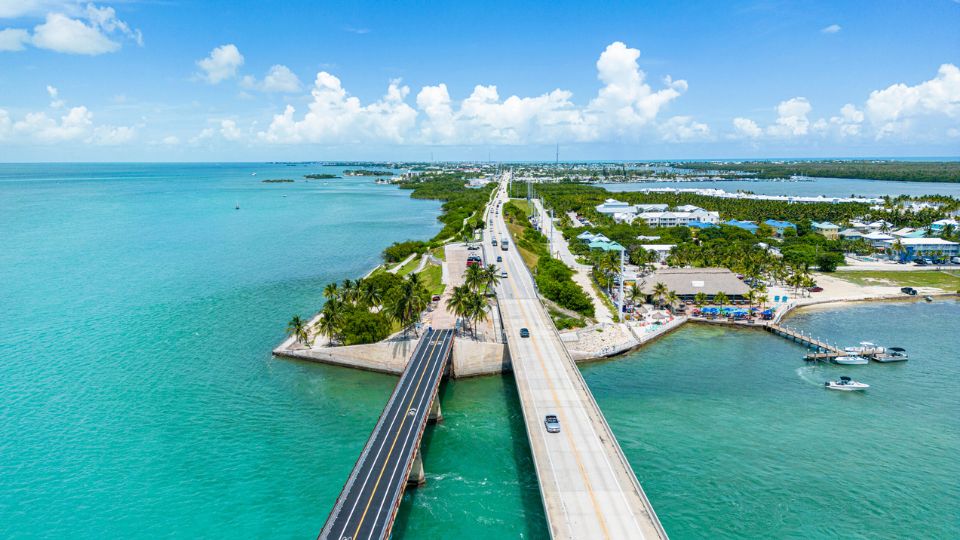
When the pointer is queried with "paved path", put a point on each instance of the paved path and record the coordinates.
(397, 268)
(581, 274)
(587, 486)
(368, 502)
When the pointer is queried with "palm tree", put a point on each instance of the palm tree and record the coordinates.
(659, 293)
(331, 318)
(459, 301)
(369, 295)
(476, 310)
(672, 299)
(634, 294)
(408, 302)
(720, 299)
(331, 291)
(897, 247)
(699, 299)
(297, 327)
(491, 277)
(475, 277)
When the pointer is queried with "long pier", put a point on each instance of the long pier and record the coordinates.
(818, 345)
(367, 505)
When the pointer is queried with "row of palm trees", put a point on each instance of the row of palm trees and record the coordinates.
(403, 303)
(468, 301)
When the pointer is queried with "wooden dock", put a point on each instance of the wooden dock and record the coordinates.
(822, 350)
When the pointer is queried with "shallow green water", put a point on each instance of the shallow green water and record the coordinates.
(138, 397)
(732, 436)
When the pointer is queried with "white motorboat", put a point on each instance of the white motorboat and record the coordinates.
(865, 348)
(846, 384)
(851, 360)
(893, 354)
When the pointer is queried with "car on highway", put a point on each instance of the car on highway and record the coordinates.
(552, 423)
(493, 242)
(503, 274)
(524, 332)
(499, 258)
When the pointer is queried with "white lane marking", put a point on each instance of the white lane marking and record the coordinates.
(396, 416)
(433, 364)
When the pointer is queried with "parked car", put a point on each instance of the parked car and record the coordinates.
(524, 332)
(435, 298)
(473, 247)
(815, 289)
(908, 290)
(552, 423)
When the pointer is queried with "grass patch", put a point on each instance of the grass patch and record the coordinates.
(522, 204)
(946, 280)
(431, 277)
(409, 267)
(529, 258)
(439, 252)
(564, 322)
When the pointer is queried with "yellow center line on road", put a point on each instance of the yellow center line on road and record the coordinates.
(556, 399)
(573, 444)
(395, 437)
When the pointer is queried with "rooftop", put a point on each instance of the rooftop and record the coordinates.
(690, 281)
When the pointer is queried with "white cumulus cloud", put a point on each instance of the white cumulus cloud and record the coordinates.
(792, 118)
(683, 128)
(222, 64)
(892, 109)
(745, 127)
(278, 79)
(62, 34)
(13, 39)
(832, 29)
(229, 130)
(624, 105)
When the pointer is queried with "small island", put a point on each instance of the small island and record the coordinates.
(366, 172)
(278, 181)
(320, 176)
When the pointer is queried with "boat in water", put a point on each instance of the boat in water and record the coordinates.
(893, 354)
(845, 384)
(851, 360)
(865, 347)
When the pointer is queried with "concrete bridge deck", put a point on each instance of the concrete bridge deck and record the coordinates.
(368, 503)
(588, 488)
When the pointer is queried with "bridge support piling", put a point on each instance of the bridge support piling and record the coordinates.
(435, 415)
(416, 478)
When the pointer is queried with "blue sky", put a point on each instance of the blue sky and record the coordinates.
(197, 81)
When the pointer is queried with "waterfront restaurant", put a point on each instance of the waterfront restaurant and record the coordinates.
(687, 282)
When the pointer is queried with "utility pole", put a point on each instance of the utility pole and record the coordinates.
(551, 232)
(620, 299)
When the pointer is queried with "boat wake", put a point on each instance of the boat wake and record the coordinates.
(809, 374)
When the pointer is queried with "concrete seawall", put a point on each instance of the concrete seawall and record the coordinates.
(470, 358)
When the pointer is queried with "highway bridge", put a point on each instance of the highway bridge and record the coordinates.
(588, 488)
(368, 503)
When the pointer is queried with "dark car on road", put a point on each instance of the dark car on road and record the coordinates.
(524, 332)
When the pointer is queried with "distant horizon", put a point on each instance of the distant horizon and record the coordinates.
(906, 159)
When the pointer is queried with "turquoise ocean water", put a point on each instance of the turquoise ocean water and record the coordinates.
(138, 397)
